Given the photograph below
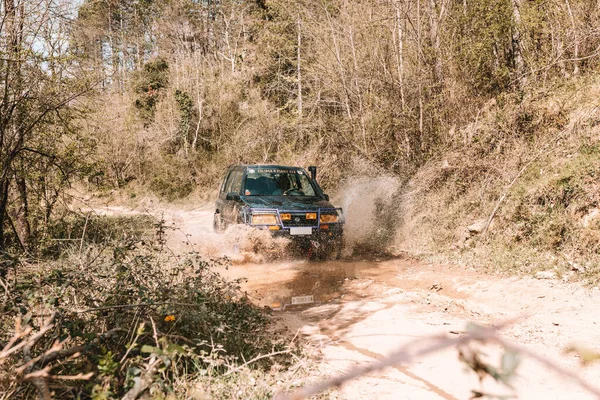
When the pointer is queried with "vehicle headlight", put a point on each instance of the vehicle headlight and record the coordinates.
(328, 218)
(264, 219)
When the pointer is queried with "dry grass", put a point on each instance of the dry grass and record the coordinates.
(552, 137)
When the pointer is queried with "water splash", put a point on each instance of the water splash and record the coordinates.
(371, 213)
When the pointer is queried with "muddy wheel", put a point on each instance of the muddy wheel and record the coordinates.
(218, 223)
(334, 251)
(329, 251)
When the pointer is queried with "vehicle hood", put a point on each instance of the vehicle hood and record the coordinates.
(286, 202)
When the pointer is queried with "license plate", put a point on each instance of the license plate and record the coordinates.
(301, 230)
(302, 299)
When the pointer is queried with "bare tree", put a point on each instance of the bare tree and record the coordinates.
(38, 79)
(575, 38)
(437, 10)
(517, 46)
(299, 69)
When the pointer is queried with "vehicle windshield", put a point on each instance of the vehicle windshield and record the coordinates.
(277, 182)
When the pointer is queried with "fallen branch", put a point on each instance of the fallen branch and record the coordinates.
(501, 200)
(38, 377)
(78, 377)
(142, 382)
(241, 367)
(121, 306)
(6, 292)
(56, 352)
(11, 348)
(544, 150)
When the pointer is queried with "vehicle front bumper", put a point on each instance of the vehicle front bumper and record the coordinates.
(319, 231)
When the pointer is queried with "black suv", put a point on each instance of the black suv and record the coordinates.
(285, 200)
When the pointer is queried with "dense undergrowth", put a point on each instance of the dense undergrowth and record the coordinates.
(112, 318)
(530, 167)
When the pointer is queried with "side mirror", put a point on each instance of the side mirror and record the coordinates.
(326, 196)
(232, 196)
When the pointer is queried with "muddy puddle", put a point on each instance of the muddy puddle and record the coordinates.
(293, 284)
(273, 278)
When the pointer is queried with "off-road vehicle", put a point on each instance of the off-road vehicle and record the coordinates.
(285, 200)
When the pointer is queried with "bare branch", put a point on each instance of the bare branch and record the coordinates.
(143, 382)
(260, 357)
(27, 343)
(137, 305)
(407, 354)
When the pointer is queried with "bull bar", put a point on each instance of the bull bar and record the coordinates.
(248, 212)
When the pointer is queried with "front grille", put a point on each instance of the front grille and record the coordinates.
(299, 220)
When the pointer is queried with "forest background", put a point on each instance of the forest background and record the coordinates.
(484, 112)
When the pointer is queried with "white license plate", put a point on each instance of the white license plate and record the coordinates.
(301, 230)
(302, 299)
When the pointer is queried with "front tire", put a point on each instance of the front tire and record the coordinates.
(334, 250)
(218, 223)
(327, 251)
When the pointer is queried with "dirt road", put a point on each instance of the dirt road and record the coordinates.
(363, 310)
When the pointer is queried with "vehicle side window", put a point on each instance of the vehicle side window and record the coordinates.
(225, 181)
(230, 180)
(236, 178)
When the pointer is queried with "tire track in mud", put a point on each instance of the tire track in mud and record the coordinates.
(335, 335)
(403, 370)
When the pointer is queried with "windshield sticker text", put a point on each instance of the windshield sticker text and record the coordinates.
(276, 171)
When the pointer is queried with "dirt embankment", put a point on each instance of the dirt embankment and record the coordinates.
(516, 190)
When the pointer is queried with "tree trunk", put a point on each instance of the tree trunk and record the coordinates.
(113, 48)
(22, 213)
(12, 83)
(299, 75)
(560, 54)
(575, 39)
(419, 73)
(434, 21)
(516, 42)
(400, 30)
(4, 184)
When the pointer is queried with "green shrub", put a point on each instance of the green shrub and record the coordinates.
(148, 84)
(129, 311)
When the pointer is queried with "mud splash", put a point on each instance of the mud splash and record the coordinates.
(371, 209)
(371, 212)
(245, 244)
(192, 231)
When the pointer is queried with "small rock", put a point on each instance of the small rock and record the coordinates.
(576, 267)
(592, 216)
(477, 227)
(545, 275)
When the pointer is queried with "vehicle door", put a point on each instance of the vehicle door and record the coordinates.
(220, 203)
(231, 197)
